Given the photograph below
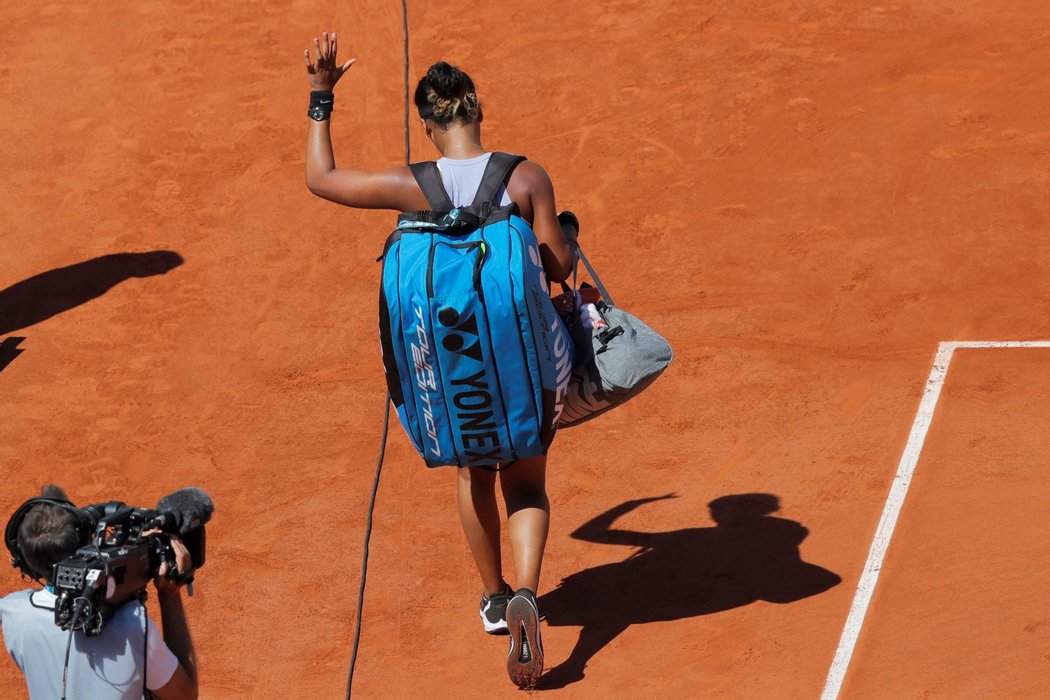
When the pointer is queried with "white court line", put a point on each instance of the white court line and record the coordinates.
(895, 500)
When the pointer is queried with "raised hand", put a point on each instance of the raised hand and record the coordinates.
(325, 72)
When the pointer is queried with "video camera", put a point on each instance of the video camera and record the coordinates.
(126, 549)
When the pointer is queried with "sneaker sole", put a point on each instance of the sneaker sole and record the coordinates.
(525, 658)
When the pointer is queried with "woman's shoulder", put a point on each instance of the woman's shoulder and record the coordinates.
(530, 175)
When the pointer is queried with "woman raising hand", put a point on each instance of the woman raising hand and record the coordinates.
(451, 116)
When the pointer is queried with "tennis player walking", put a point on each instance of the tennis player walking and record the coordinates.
(451, 116)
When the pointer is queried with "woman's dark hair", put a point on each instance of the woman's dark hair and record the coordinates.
(47, 535)
(446, 95)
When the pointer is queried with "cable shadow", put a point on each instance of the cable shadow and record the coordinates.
(748, 556)
(42, 296)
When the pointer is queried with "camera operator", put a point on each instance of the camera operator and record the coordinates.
(129, 649)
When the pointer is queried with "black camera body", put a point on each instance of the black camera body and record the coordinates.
(122, 550)
(125, 554)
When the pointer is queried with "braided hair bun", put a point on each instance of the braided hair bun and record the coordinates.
(446, 95)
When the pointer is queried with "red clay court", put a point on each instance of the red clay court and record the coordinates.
(805, 198)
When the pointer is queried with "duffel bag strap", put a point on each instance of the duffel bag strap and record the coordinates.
(429, 179)
(574, 243)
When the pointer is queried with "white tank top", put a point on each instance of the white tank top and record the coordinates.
(462, 178)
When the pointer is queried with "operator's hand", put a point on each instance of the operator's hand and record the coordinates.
(183, 566)
(325, 73)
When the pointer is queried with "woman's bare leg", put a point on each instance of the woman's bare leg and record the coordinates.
(476, 496)
(528, 517)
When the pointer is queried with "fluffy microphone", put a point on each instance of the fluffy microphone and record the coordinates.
(186, 509)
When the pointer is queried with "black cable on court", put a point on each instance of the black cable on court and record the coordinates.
(386, 412)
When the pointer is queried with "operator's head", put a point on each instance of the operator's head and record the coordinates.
(48, 535)
(446, 96)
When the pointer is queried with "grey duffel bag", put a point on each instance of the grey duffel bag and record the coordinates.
(614, 363)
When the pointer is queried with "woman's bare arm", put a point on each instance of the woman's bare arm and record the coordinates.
(530, 183)
(393, 188)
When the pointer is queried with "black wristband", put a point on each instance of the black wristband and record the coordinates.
(321, 105)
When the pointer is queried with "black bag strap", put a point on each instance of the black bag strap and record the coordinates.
(497, 174)
(429, 179)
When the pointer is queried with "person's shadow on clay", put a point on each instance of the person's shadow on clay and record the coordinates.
(50, 293)
(747, 556)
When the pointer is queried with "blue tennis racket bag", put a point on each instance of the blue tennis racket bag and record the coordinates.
(477, 360)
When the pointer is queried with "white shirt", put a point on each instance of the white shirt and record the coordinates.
(106, 667)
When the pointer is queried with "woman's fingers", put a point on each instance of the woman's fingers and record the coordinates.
(324, 59)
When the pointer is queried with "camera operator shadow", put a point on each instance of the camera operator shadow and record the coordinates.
(748, 556)
(9, 350)
(42, 296)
